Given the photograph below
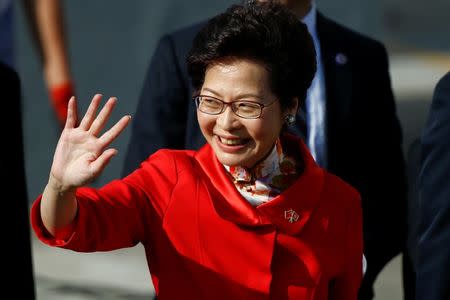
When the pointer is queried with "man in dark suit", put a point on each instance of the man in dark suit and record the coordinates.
(351, 124)
(433, 261)
(17, 269)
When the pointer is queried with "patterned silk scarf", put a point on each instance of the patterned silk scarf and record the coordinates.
(267, 179)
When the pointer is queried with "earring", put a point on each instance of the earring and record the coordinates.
(290, 120)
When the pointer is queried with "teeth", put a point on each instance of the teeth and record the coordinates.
(231, 142)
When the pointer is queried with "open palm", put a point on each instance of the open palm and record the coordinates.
(82, 152)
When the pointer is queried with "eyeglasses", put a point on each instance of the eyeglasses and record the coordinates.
(244, 109)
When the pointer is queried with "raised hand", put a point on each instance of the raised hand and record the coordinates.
(82, 152)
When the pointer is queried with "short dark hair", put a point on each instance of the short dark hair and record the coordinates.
(266, 32)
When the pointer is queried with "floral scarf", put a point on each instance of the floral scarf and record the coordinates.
(267, 179)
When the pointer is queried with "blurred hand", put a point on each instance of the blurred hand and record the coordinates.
(82, 152)
(60, 95)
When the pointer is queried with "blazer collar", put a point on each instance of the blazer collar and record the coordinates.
(288, 212)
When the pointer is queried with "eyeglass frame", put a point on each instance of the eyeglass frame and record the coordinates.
(225, 104)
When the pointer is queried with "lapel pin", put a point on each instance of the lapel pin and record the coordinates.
(341, 58)
(291, 215)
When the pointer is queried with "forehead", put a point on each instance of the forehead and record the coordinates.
(233, 64)
(237, 75)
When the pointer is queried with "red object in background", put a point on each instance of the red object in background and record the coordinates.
(60, 95)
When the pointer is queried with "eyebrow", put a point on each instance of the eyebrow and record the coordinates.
(240, 97)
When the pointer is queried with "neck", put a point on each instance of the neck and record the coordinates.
(251, 168)
(299, 7)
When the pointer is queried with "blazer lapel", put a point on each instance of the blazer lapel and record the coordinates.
(226, 199)
(291, 210)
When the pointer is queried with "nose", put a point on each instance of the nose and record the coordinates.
(227, 120)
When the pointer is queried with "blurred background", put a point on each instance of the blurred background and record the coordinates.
(110, 45)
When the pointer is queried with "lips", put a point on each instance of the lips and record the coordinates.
(231, 145)
(232, 141)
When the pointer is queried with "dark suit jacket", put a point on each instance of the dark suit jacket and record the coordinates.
(433, 261)
(363, 132)
(16, 250)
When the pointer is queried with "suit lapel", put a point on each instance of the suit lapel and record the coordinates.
(338, 76)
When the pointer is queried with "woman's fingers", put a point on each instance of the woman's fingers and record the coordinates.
(89, 117)
(100, 163)
(71, 113)
(114, 131)
(93, 124)
(103, 116)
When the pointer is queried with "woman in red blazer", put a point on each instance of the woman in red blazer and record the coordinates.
(248, 216)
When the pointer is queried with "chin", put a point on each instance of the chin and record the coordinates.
(231, 159)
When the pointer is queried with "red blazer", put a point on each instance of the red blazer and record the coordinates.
(203, 240)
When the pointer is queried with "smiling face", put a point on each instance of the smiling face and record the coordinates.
(237, 141)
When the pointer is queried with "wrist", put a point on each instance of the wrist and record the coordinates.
(57, 187)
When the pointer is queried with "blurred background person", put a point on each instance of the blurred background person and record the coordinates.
(350, 93)
(17, 267)
(433, 260)
(46, 23)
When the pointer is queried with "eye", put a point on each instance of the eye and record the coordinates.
(211, 103)
(245, 106)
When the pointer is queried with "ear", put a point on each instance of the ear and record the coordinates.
(293, 108)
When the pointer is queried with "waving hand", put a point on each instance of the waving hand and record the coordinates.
(82, 151)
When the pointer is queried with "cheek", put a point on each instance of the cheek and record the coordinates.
(267, 131)
(258, 131)
(206, 124)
